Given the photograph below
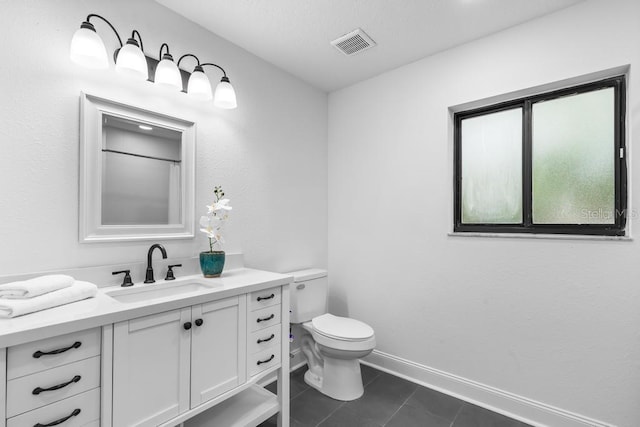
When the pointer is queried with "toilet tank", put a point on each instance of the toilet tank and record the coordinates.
(308, 294)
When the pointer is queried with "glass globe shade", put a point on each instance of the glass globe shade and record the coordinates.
(199, 86)
(87, 49)
(167, 74)
(225, 96)
(132, 62)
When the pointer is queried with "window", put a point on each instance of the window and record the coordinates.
(550, 163)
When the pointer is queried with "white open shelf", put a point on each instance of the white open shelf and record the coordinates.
(246, 409)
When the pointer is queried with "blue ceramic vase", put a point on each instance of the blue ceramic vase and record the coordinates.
(212, 263)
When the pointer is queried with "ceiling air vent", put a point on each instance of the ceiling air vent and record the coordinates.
(354, 42)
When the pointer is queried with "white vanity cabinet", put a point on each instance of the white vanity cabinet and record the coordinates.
(167, 363)
(54, 381)
(199, 360)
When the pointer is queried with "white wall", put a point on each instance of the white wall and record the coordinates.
(269, 154)
(555, 321)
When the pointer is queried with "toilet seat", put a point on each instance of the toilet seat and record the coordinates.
(341, 328)
(362, 336)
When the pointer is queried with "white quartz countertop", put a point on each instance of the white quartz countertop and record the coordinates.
(103, 309)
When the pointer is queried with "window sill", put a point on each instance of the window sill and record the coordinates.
(540, 236)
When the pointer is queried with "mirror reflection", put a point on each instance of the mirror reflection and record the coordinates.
(141, 172)
(137, 173)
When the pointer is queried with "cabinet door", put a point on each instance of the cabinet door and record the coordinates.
(151, 368)
(218, 348)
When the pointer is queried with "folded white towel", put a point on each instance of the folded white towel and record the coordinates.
(17, 307)
(36, 286)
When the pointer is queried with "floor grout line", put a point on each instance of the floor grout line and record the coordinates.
(400, 407)
(293, 397)
(329, 416)
(457, 414)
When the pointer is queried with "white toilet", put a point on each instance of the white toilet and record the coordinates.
(334, 344)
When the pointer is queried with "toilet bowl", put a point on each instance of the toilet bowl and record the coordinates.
(331, 344)
(332, 355)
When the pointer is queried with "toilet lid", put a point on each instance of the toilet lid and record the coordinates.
(341, 327)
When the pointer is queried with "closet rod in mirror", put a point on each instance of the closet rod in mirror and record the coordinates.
(140, 155)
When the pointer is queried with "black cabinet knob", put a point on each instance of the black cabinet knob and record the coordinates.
(199, 322)
(187, 325)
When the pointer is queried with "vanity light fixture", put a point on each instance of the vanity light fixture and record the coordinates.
(145, 127)
(199, 86)
(88, 50)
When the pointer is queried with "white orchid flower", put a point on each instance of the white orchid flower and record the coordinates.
(211, 225)
(206, 227)
(217, 213)
(222, 204)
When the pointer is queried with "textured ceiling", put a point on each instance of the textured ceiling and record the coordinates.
(295, 35)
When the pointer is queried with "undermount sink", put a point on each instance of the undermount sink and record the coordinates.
(138, 293)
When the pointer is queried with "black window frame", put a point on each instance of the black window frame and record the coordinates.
(618, 228)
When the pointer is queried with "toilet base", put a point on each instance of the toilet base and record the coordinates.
(341, 379)
(313, 380)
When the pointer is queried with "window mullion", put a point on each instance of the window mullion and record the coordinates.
(526, 165)
(620, 155)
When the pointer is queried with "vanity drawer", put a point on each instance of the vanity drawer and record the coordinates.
(264, 338)
(266, 298)
(27, 358)
(79, 376)
(265, 359)
(264, 318)
(86, 406)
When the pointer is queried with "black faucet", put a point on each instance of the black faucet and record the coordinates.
(149, 276)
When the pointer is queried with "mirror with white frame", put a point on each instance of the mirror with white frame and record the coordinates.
(137, 171)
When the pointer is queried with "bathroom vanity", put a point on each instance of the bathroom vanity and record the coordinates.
(190, 351)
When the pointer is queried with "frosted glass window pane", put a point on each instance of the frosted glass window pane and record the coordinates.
(491, 147)
(573, 159)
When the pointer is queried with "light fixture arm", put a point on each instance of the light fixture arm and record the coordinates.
(160, 54)
(93, 15)
(217, 66)
(188, 54)
(133, 34)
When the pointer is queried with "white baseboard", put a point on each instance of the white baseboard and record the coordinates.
(297, 360)
(509, 404)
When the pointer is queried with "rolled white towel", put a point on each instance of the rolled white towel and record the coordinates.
(17, 307)
(36, 286)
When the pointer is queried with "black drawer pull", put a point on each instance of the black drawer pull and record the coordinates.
(260, 340)
(60, 421)
(265, 298)
(264, 319)
(39, 353)
(39, 390)
(260, 362)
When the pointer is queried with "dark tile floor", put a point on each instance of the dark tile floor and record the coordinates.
(388, 401)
